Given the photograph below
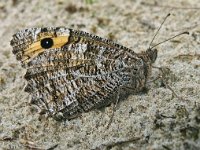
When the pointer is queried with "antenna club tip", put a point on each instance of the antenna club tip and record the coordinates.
(168, 14)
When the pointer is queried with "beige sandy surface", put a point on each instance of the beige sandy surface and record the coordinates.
(153, 120)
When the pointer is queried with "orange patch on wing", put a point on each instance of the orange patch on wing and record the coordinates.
(35, 49)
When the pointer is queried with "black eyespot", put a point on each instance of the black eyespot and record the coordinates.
(46, 43)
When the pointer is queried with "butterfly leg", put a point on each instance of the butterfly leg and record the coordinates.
(114, 106)
(161, 76)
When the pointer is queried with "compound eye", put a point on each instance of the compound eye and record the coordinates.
(46, 43)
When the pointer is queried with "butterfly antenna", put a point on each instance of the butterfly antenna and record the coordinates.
(158, 30)
(170, 39)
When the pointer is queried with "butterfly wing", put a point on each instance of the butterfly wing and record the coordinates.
(78, 73)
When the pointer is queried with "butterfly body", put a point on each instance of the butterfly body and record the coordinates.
(70, 72)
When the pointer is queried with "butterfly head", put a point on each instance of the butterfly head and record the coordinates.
(152, 54)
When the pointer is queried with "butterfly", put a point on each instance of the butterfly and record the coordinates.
(70, 72)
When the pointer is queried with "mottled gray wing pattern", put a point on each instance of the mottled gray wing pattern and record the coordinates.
(76, 74)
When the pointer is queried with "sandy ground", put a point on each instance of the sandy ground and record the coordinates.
(152, 120)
